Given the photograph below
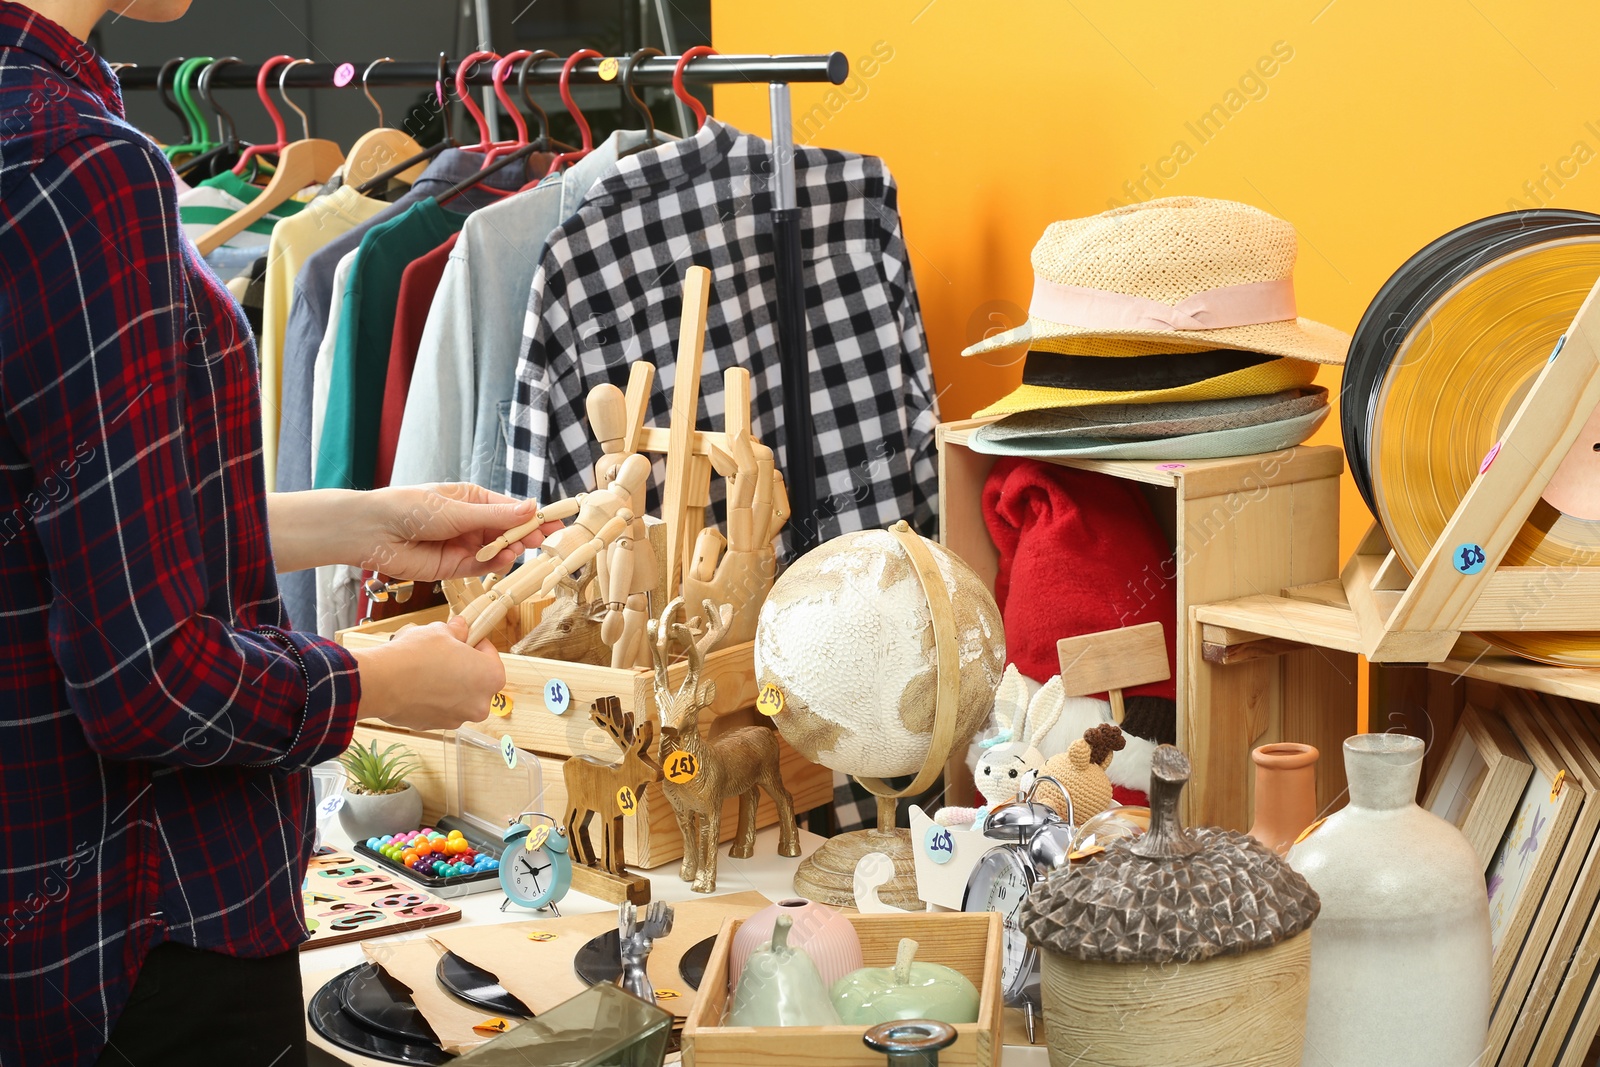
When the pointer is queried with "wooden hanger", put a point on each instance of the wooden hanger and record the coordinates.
(308, 161)
(379, 148)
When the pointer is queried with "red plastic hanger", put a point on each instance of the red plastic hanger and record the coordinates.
(282, 134)
(683, 94)
(484, 144)
(572, 109)
(501, 70)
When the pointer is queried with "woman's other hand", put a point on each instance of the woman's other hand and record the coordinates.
(430, 533)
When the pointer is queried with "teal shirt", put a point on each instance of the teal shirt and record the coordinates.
(347, 453)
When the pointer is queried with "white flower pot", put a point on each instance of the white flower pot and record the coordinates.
(365, 815)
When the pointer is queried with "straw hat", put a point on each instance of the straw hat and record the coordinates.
(1250, 440)
(1167, 276)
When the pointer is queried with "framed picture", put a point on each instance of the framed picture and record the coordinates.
(1525, 859)
(1484, 775)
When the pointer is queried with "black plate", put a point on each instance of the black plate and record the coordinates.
(478, 987)
(380, 1003)
(330, 1019)
(601, 960)
(1411, 291)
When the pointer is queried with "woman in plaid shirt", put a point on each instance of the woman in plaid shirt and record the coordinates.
(158, 716)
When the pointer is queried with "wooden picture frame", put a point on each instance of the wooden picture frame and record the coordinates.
(1525, 860)
(1483, 776)
(1540, 966)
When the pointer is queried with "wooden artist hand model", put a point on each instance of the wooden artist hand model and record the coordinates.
(739, 570)
(601, 517)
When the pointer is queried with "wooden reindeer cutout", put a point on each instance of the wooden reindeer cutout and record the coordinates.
(595, 787)
(738, 763)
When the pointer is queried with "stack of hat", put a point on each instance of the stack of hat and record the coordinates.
(1162, 330)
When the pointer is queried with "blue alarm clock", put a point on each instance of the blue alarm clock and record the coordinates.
(535, 869)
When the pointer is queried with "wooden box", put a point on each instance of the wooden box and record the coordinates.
(971, 943)
(1240, 526)
(652, 836)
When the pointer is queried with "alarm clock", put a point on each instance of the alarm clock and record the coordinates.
(1002, 878)
(535, 869)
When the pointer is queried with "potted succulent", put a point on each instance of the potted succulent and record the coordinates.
(379, 800)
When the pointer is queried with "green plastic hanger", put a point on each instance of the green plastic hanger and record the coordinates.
(199, 134)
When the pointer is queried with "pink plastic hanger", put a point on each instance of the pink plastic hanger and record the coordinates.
(272, 109)
(501, 70)
(572, 109)
(683, 94)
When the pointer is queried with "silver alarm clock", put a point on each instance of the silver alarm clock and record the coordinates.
(1034, 843)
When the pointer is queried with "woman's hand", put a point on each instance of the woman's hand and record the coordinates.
(429, 678)
(429, 533)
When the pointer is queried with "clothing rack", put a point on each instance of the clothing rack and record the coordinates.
(777, 71)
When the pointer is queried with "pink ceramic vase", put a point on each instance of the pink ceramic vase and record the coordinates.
(819, 931)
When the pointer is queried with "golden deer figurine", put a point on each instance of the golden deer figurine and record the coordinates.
(738, 763)
(593, 785)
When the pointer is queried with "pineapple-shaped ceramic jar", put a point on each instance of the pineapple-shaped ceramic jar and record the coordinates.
(1179, 946)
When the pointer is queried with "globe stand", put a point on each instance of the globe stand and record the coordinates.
(828, 875)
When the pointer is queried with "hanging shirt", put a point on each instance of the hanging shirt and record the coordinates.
(457, 427)
(609, 289)
(215, 200)
(418, 285)
(308, 319)
(157, 721)
(293, 241)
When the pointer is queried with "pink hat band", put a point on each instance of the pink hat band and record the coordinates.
(1213, 309)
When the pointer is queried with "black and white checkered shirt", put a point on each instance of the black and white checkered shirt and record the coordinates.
(609, 289)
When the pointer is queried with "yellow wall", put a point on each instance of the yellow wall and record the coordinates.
(1387, 124)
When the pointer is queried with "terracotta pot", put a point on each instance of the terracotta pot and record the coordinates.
(819, 931)
(1228, 1011)
(366, 815)
(1400, 973)
(1286, 794)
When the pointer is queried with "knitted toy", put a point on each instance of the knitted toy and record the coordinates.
(1024, 710)
(1082, 770)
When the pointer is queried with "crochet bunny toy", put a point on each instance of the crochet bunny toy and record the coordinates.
(1023, 709)
(1082, 770)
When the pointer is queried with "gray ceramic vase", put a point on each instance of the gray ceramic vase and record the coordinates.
(1400, 966)
(365, 815)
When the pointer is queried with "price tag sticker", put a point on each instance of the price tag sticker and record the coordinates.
(508, 750)
(667, 994)
(501, 704)
(536, 840)
(1308, 831)
(541, 936)
(331, 805)
(1488, 460)
(770, 700)
(1468, 558)
(344, 74)
(1555, 786)
(608, 69)
(557, 696)
(627, 803)
(681, 767)
(1170, 466)
(939, 844)
(492, 1026)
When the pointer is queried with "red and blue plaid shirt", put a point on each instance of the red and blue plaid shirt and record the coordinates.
(156, 723)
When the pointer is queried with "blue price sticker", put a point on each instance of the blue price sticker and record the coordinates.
(939, 844)
(557, 696)
(1469, 558)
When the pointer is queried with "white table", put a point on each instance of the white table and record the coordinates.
(766, 873)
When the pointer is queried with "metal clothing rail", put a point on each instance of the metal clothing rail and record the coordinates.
(805, 525)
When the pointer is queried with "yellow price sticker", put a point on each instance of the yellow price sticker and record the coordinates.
(667, 994)
(608, 69)
(681, 767)
(501, 704)
(541, 936)
(1308, 831)
(536, 840)
(492, 1026)
(1555, 787)
(627, 803)
(770, 700)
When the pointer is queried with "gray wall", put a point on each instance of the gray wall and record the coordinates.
(359, 31)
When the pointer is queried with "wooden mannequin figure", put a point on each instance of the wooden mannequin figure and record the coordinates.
(600, 518)
(628, 568)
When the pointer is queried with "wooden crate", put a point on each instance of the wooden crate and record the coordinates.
(1240, 526)
(971, 943)
(653, 838)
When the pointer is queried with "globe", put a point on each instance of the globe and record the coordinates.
(846, 635)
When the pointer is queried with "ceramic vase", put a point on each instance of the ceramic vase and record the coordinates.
(1286, 794)
(367, 815)
(817, 930)
(1400, 968)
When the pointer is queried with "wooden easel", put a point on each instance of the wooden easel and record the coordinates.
(1460, 585)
